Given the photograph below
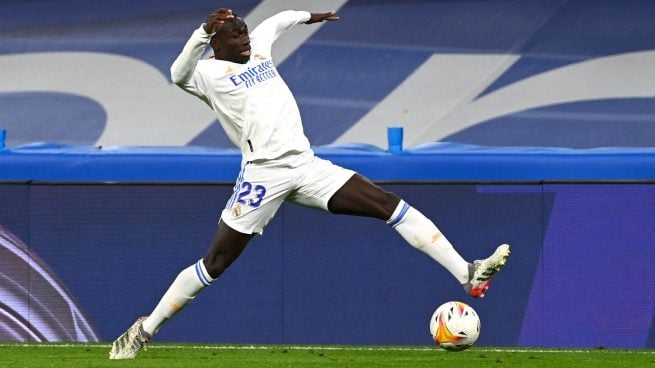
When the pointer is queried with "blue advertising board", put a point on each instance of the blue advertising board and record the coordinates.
(319, 278)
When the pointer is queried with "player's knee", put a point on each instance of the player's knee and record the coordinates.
(389, 202)
(216, 265)
(383, 205)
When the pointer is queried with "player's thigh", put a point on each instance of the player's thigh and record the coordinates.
(359, 196)
(342, 191)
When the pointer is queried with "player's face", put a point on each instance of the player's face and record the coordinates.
(233, 42)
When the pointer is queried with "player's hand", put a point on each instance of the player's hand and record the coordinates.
(319, 17)
(216, 20)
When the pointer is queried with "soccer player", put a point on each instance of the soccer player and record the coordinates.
(259, 114)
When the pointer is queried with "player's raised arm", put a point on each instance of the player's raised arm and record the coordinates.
(270, 29)
(185, 64)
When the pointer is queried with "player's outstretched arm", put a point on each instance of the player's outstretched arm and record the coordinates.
(320, 17)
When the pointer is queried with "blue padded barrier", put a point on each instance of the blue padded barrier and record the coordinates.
(430, 162)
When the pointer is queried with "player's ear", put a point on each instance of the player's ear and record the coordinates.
(215, 43)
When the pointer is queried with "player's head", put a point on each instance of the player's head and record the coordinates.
(232, 42)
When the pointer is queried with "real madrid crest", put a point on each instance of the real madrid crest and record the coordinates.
(236, 211)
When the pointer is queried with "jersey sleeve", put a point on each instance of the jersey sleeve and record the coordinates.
(270, 29)
(183, 69)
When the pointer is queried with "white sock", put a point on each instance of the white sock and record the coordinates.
(182, 291)
(423, 235)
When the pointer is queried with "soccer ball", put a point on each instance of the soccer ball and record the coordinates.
(455, 326)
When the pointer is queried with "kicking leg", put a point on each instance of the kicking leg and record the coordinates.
(359, 196)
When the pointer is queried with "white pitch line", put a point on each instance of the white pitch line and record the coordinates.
(339, 348)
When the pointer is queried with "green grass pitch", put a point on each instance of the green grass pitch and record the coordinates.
(271, 356)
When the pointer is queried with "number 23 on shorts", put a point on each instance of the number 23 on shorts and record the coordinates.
(256, 194)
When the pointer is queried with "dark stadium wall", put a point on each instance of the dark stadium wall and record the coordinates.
(577, 260)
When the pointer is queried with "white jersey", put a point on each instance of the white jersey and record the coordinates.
(254, 105)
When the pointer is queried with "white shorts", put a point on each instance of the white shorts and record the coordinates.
(261, 188)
